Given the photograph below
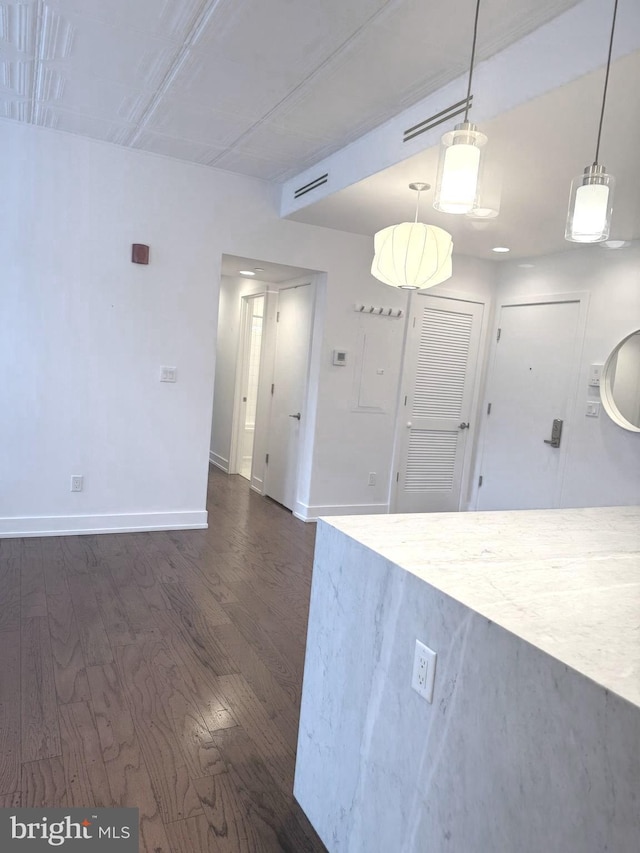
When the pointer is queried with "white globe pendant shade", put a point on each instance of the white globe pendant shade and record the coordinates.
(412, 255)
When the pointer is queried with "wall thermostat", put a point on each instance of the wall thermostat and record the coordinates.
(339, 357)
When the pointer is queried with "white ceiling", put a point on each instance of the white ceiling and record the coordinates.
(260, 87)
(533, 152)
(264, 270)
(270, 87)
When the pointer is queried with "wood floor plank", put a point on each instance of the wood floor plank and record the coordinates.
(93, 635)
(278, 704)
(40, 733)
(68, 659)
(277, 817)
(44, 784)
(162, 755)
(10, 585)
(10, 757)
(192, 835)
(256, 633)
(127, 773)
(276, 753)
(193, 737)
(226, 812)
(198, 671)
(186, 599)
(85, 774)
(32, 590)
(200, 638)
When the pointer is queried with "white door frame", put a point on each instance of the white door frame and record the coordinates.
(580, 296)
(478, 390)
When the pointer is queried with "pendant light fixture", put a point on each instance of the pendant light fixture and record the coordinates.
(412, 255)
(591, 197)
(460, 155)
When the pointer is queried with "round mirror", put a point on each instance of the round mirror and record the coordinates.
(620, 387)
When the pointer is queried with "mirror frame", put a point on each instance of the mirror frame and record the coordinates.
(606, 389)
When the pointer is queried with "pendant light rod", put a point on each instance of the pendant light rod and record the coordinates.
(418, 187)
(473, 56)
(606, 81)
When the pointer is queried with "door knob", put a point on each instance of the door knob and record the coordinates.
(296, 416)
(463, 426)
(409, 424)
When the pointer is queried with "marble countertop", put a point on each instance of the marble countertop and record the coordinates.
(567, 581)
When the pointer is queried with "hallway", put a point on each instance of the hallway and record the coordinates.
(162, 671)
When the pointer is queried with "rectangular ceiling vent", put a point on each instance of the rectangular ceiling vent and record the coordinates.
(434, 120)
(312, 185)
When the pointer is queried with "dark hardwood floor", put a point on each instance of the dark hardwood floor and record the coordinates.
(162, 671)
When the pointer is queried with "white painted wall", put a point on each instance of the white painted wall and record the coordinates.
(603, 460)
(84, 333)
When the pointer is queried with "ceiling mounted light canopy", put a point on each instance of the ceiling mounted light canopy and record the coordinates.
(591, 196)
(457, 184)
(412, 255)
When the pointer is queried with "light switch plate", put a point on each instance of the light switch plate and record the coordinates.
(168, 374)
(595, 374)
(593, 409)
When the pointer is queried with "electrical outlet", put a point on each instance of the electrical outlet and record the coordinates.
(372, 478)
(424, 671)
(77, 482)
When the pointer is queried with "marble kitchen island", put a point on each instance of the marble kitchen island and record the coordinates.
(532, 741)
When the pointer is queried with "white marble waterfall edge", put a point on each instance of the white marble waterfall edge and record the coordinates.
(520, 752)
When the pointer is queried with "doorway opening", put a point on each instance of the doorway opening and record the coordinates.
(251, 343)
(262, 386)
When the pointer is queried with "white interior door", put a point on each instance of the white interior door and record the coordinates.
(293, 339)
(435, 415)
(530, 386)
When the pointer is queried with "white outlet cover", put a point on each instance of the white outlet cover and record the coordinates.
(424, 671)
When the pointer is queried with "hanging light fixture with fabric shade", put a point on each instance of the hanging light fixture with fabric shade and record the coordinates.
(459, 166)
(591, 197)
(412, 255)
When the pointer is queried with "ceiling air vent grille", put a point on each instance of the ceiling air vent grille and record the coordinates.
(434, 120)
(312, 185)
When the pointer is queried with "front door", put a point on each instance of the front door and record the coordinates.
(530, 386)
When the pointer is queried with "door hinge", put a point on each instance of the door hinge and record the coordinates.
(277, 317)
(272, 387)
(480, 480)
(498, 336)
(266, 459)
(489, 409)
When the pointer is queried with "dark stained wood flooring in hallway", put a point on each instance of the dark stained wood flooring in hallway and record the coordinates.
(162, 671)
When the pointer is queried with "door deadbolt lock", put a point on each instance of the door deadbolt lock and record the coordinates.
(296, 416)
(556, 434)
(464, 426)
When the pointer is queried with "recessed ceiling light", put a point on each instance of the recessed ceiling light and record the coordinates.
(246, 272)
(500, 249)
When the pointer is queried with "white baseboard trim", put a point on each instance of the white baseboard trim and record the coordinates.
(74, 525)
(313, 513)
(219, 461)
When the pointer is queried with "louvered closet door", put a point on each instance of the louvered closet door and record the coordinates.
(439, 373)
